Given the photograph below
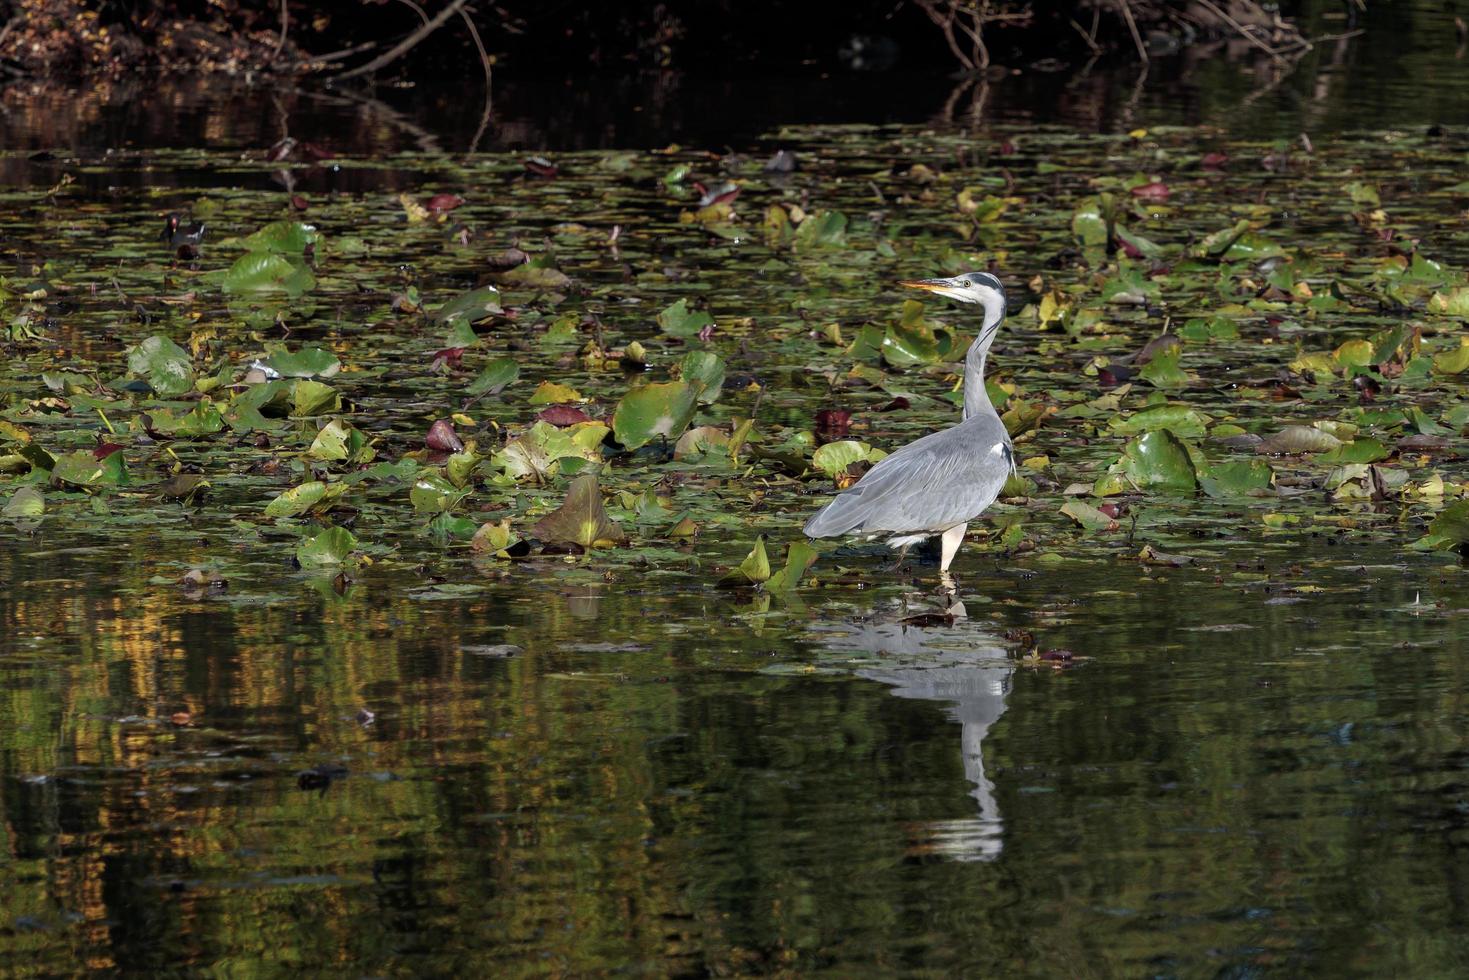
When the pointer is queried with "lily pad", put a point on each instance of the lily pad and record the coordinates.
(1159, 461)
(308, 362)
(495, 376)
(268, 272)
(288, 237)
(654, 410)
(677, 320)
(332, 546)
(167, 367)
(581, 519)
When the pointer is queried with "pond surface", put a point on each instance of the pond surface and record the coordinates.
(272, 697)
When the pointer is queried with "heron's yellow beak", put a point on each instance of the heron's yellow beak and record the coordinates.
(928, 285)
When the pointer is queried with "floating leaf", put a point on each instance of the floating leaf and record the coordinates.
(167, 367)
(704, 370)
(82, 469)
(26, 502)
(339, 441)
(494, 538)
(654, 410)
(1236, 478)
(1363, 450)
(677, 320)
(1454, 361)
(495, 376)
(308, 362)
(824, 229)
(834, 458)
(433, 493)
(700, 442)
(306, 497)
(581, 519)
(1163, 370)
(1296, 439)
(537, 452)
(332, 546)
(554, 393)
(264, 272)
(289, 237)
(1087, 223)
(754, 570)
(800, 556)
(1182, 420)
(1089, 517)
(1158, 460)
(310, 398)
(471, 307)
(1455, 302)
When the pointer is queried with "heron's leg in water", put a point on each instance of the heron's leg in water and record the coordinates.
(951, 541)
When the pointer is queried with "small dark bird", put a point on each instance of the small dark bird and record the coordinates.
(183, 237)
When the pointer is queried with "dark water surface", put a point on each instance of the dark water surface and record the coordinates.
(1252, 759)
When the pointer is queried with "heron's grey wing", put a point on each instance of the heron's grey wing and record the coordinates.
(928, 486)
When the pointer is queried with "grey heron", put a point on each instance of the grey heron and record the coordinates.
(936, 485)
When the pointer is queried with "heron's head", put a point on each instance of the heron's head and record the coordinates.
(970, 287)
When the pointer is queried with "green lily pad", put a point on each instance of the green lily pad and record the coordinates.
(310, 398)
(82, 469)
(824, 229)
(654, 410)
(1163, 370)
(1363, 450)
(433, 493)
(288, 237)
(308, 362)
(167, 367)
(1089, 517)
(1159, 461)
(332, 546)
(27, 501)
(495, 377)
(470, 307)
(1182, 420)
(754, 570)
(1454, 361)
(800, 556)
(705, 371)
(677, 320)
(268, 272)
(1236, 478)
(308, 496)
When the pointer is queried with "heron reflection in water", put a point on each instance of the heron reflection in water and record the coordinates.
(958, 663)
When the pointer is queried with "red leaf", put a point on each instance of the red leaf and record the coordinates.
(441, 203)
(563, 415)
(541, 167)
(833, 424)
(299, 203)
(105, 449)
(1157, 191)
(442, 437)
(1214, 161)
(448, 357)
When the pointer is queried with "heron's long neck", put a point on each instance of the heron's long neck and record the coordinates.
(976, 398)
